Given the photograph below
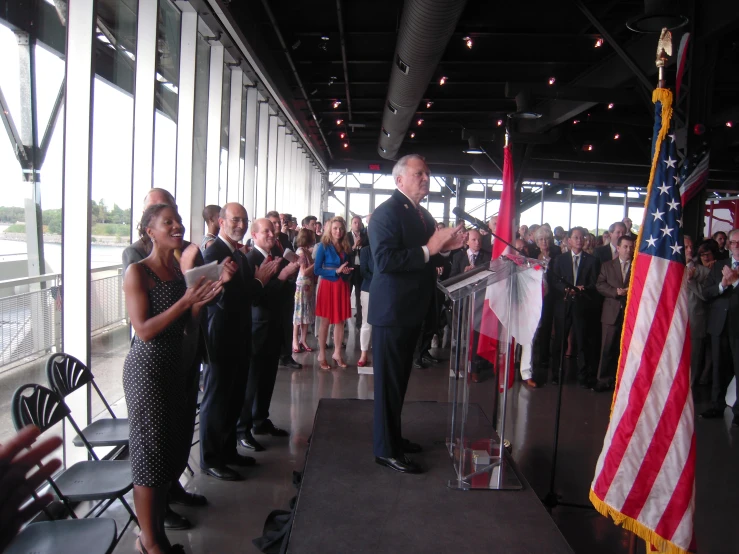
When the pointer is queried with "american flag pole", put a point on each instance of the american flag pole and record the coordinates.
(645, 475)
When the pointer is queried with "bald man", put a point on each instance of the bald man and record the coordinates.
(267, 330)
(229, 342)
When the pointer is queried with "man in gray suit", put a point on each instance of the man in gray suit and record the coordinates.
(721, 288)
(613, 284)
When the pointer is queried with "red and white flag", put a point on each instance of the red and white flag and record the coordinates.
(645, 475)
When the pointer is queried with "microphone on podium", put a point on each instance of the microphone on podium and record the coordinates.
(460, 213)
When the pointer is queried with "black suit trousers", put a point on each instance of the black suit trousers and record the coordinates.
(393, 361)
(725, 351)
(266, 342)
(610, 349)
(580, 324)
(225, 383)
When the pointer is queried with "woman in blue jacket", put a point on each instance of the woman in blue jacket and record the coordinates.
(333, 305)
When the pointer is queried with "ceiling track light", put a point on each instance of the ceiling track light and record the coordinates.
(346, 145)
(336, 103)
(468, 42)
(587, 147)
(552, 80)
(500, 123)
(610, 106)
(599, 42)
(442, 81)
(616, 136)
(729, 124)
(413, 135)
(419, 122)
(339, 121)
(429, 103)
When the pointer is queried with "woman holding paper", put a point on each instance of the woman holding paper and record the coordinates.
(333, 305)
(305, 296)
(155, 379)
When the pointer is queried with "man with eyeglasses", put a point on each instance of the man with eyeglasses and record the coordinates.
(722, 290)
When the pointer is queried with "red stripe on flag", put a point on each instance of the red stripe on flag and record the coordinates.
(656, 336)
(640, 271)
(681, 497)
(662, 438)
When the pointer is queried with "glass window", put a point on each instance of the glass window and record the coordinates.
(200, 124)
(166, 99)
(225, 115)
(532, 215)
(337, 203)
(385, 182)
(112, 139)
(610, 213)
(359, 204)
(380, 198)
(557, 214)
(437, 210)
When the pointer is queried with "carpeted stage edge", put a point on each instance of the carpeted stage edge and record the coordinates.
(349, 504)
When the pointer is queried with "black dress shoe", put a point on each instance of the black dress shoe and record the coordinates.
(403, 465)
(184, 498)
(241, 461)
(175, 522)
(223, 473)
(411, 447)
(428, 358)
(712, 413)
(418, 363)
(250, 443)
(268, 428)
(602, 386)
(289, 362)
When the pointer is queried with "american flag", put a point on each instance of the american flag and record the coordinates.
(645, 476)
(694, 174)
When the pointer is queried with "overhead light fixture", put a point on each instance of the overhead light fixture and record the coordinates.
(337, 103)
(587, 147)
(429, 104)
(599, 42)
(730, 124)
(442, 81)
(342, 136)
(575, 121)
(610, 106)
(339, 121)
(657, 15)
(413, 135)
(419, 122)
(523, 111)
(500, 123)
(468, 42)
(473, 146)
(616, 136)
(346, 145)
(552, 80)
(324, 37)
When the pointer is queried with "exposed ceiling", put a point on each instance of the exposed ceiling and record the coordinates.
(516, 46)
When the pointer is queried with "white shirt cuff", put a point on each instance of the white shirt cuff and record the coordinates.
(445, 254)
(426, 255)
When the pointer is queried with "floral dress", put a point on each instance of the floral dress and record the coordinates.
(305, 296)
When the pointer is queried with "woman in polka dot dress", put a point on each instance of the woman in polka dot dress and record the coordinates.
(154, 377)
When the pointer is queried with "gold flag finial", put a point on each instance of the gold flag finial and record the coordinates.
(664, 51)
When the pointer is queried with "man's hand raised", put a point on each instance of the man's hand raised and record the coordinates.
(288, 271)
(446, 238)
(267, 270)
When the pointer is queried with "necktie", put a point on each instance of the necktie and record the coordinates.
(270, 258)
(473, 260)
(735, 265)
(575, 267)
(624, 270)
(420, 215)
(614, 252)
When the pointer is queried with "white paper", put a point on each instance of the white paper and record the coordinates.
(211, 271)
(289, 255)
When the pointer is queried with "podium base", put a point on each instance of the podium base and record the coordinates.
(482, 469)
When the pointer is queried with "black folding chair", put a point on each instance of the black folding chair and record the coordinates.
(66, 374)
(100, 482)
(68, 536)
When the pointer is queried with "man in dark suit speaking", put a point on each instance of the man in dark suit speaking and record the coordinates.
(406, 248)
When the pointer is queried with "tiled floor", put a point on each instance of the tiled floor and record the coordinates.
(237, 511)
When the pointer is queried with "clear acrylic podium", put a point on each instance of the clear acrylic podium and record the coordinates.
(475, 445)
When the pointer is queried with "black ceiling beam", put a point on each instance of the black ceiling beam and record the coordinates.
(635, 69)
(340, 18)
(587, 94)
(473, 34)
(452, 62)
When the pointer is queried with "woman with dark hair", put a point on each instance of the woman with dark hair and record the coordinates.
(155, 379)
(305, 297)
(333, 305)
(589, 243)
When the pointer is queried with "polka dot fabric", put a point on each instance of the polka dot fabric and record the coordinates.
(154, 382)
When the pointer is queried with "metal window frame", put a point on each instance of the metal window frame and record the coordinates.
(250, 149)
(233, 185)
(213, 146)
(281, 193)
(272, 163)
(262, 151)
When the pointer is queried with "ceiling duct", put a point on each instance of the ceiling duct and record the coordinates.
(425, 29)
(658, 14)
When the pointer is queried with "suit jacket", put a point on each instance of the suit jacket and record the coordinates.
(402, 283)
(365, 242)
(603, 253)
(610, 279)
(282, 243)
(587, 276)
(366, 267)
(461, 260)
(697, 306)
(724, 308)
(269, 305)
(229, 319)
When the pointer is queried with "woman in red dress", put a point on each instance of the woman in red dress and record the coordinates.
(333, 305)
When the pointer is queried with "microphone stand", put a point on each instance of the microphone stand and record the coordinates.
(552, 499)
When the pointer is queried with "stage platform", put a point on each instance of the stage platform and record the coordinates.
(348, 503)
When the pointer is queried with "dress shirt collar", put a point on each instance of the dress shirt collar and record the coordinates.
(470, 253)
(409, 198)
(262, 252)
(231, 248)
(623, 261)
(613, 248)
